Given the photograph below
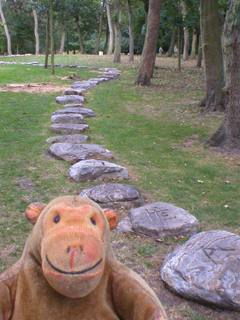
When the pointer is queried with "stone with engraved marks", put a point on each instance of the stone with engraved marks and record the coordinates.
(162, 219)
(206, 269)
(89, 170)
(73, 152)
(114, 195)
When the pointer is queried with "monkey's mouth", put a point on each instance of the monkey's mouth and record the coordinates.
(72, 272)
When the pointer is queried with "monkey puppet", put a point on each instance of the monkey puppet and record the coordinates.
(68, 271)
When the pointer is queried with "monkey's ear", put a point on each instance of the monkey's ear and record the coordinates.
(112, 218)
(33, 211)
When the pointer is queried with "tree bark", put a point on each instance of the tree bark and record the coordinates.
(228, 135)
(99, 28)
(47, 42)
(173, 39)
(116, 23)
(199, 59)
(51, 37)
(194, 45)
(147, 63)
(61, 50)
(213, 59)
(36, 31)
(111, 30)
(79, 35)
(106, 42)
(185, 32)
(9, 49)
(131, 38)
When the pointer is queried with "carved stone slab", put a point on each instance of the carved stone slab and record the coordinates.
(70, 99)
(88, 170)
(68, 118)
(85, 112)
(73, 138)
(70, 91)
(162, 219)
(114, 195)
(82, 85)
(76, 152)
(206, 269)
(69, 128)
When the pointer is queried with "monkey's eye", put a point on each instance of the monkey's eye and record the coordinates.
(56, 218)
(93, 221)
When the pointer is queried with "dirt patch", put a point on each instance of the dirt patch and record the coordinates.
(33, 87)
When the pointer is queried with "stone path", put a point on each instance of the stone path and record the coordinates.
(205, 268)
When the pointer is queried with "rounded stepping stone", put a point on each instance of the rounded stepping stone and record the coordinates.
(161, 220)
(89, 170)
(79, 92)
(114, 195)
(83, 111)
(74, 138)
(69, 128)
(67, 118)
(82, 84)
(76, 152)
(206, 269)
(70, 99)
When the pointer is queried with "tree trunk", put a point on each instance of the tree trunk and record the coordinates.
(9, 49)
(79, 35)
(228, 135)
(61, 50)
(179, 47)
(212, 52)
(47, 42)
(199, 59)
(131, 38)
(51, 37)
(147, 63)
(194, 45)
(117, 49)
(106, 42)
(99, 28)
(36, 31)
(173, 39)
(110, 27)
(185, 32)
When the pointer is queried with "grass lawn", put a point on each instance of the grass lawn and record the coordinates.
(156, 132)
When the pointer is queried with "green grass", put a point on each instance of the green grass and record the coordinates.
(156, 132)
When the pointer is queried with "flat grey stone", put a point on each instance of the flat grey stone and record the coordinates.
(76, 152)
(71, 91)
(89, 170)
(125, 226)
(67, 118)
(73, 138)
(69, 128)
(206, 269)
(70, 99)
(85, 112)
(114, 195)
(162, 219)
(82, 84)
(73, 105)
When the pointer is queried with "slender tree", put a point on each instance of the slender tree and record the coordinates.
(51, 37)
(147, 63)
(117, 31)
(194, 45)
(62, 40)
(131, 38)
(79, 34)
(9, 49)
(172, 43)
(213, 59)
(100, 27)
(228, 135)
(47, 40)
(110, 27)
(185, 32)
(36, 31)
